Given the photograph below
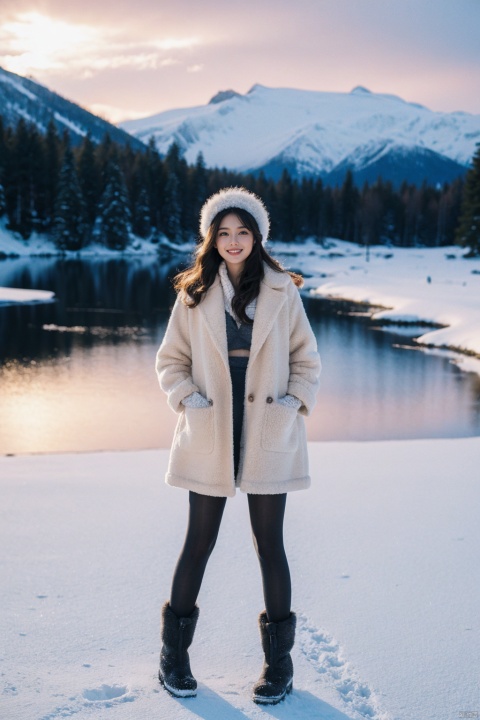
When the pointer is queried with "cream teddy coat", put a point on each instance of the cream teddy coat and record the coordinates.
(193, 356)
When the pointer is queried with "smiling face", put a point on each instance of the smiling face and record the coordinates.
(234, 242)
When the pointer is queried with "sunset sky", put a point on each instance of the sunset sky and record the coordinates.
(125, 59)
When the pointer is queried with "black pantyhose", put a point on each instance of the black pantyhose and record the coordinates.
(204, 519)
(266, 518)
(205, 515)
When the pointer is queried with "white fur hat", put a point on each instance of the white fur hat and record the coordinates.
(235, 197)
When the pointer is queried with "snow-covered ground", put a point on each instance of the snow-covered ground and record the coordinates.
(17, 295)
(383, 550)
(410, 285)
(38, 244)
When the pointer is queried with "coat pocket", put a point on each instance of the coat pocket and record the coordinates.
(280, 428)
(196, 430)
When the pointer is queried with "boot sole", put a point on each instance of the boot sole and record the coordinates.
(175, 691)
(273, 700)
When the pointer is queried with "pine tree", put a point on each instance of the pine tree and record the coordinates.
(25, 179)
(173, 158)
(198, 191)
(37, 179)
(3, 145)
(113, 227)
(318, 201)
(177, 200)
(88, 177)
(452, 195)
(69, 225)
(141, 215)
(348, 207)
(308, 208)
(286, 207)
(370, 216)
(53, 165)
(172, 210)
(3, 160)
(3, 205)
(155, 179)
(21, 219)
(468, 230)
(105, 153)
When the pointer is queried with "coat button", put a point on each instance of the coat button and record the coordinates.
(210, 402)
(250, 398)
(269, 399)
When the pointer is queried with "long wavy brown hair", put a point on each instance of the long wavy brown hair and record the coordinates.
(193, 283)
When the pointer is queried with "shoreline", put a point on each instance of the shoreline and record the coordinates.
(434, 288)
(4, 457)
(370, 309)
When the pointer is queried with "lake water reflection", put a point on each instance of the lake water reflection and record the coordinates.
(77, 374)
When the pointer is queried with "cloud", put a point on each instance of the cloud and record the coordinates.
(168, 61)
(157, 55)
(115, 114)
(33, 42)
(176, 43)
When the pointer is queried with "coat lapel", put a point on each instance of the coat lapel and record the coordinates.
(212, 310)
(269, 303)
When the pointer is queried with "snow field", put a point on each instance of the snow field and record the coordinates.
(409, 285)
(383, 551)
(316, 131)
(17, 295)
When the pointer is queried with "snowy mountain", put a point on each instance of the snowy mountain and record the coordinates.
(21, 97)
(318, 134)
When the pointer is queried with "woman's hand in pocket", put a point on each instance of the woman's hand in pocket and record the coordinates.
(195, 400)
(290, 401)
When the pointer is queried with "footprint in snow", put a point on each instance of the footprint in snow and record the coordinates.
(108, 694)
(104, 696)
(326, 657)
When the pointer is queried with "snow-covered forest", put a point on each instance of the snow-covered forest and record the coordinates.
(112, 194)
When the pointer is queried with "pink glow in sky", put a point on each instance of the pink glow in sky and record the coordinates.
(132, 58)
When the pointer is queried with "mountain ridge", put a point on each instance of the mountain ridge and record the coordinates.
(314, 133)
(23, 97)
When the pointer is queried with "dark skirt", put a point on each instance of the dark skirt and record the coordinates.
(238, 370)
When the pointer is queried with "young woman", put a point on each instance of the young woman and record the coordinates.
(240, 366)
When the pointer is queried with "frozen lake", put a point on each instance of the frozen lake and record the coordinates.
(78, 374)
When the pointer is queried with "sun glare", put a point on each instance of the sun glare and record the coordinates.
(32, 42)
(36, 42)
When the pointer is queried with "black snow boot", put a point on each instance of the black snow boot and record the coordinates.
(276, 679)
(177, 635)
